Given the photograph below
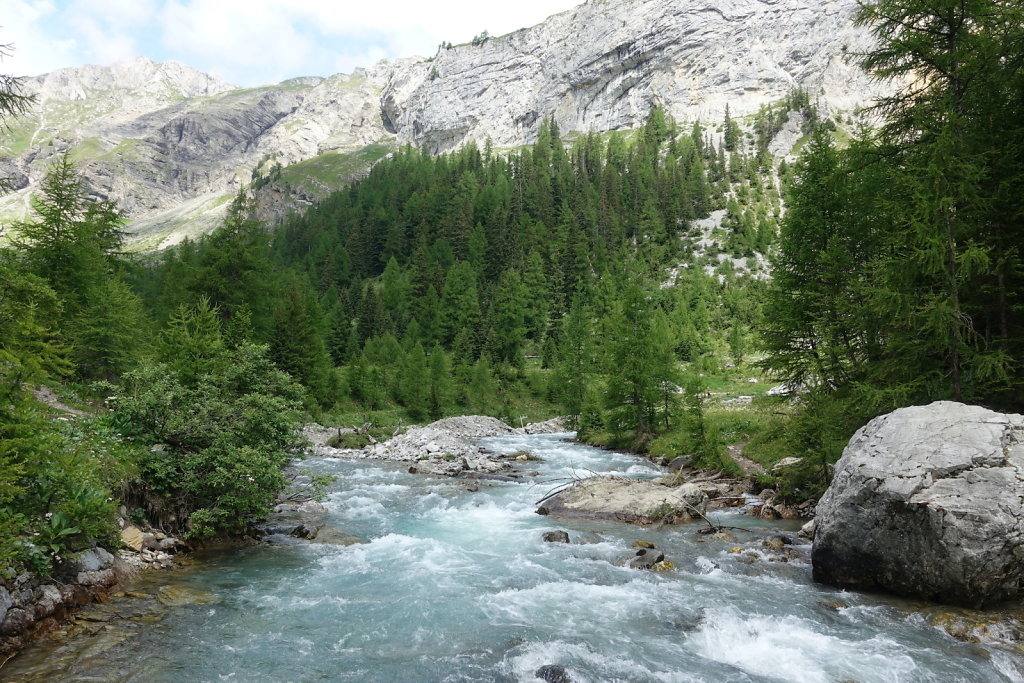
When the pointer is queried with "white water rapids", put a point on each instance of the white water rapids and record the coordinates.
(457, 585)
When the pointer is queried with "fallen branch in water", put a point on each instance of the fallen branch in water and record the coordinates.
(712, 527)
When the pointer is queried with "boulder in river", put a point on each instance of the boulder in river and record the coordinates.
(928, 501)
(628, 500)
(646, 559)
(553, 673)
(556, 537)
(177, 596)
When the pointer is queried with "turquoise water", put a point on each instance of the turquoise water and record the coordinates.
(459, 586)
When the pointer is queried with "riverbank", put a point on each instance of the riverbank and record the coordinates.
(441, 557)
(32, 606)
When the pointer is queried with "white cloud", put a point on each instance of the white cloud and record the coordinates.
(24, 24)
(110, 29)
(255, 41)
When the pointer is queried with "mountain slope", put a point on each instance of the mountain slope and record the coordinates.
(602, 65)
(171, 144)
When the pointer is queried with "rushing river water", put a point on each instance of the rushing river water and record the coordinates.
(458, 585)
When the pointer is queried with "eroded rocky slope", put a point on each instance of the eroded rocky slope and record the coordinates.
(171, 144)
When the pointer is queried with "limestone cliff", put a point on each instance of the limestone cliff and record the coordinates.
(171, 144)
(602, 65)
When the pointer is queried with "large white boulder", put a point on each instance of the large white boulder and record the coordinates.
(628, 500)
(928, 501)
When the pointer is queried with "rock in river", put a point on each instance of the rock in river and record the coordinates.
(177, 596)
(628, 500)
(928, 501)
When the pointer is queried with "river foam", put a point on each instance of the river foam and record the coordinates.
(458, 585)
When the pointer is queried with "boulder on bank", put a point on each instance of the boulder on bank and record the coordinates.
(928, 502)
(628, 500)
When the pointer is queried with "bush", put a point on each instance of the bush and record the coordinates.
(62, 498)
(229, 420)
(349, 440)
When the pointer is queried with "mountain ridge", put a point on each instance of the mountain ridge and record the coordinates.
(170, 143)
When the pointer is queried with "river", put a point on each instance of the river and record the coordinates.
(458, 585)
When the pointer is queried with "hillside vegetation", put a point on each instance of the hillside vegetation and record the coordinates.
(619, 279)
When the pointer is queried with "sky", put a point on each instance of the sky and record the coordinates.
(249, 42)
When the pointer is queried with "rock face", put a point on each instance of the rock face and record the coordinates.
(628, 500)
(603, 64)
(171, 144)
(928, 502)
(30, 604)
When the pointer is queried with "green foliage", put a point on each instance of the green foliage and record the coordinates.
(897, 276)
(73, 243)
(731, 134)
(60, 495)
(478, 252)
(640, 365)
(228, 417)
(349, 440)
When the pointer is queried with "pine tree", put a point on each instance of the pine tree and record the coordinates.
(640, 363)
(459, 306)
(74, 243)
(416, 389)
(536, 293)
(297, 346)
(731, 135)
(440, 382)
(509, 326)
(574, 358)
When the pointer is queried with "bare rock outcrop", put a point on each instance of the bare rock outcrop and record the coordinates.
(171, 145)
(928, 501)
(601, 65)
(627, 500)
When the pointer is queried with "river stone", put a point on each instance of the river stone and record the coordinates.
(47, 601)
(103, 577)
(628, 500)
(90, 566)
(132, 537)
(555, 426)
(442, 448)
(553, 673)
(176, 596)
(5, 603)
(928, 501)
(307, 531)
(88, 561)
(310, 508)
(556, 537)
(330, 536)
(646, 559)
(16, 622)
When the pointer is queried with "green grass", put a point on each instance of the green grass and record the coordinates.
(16, 137)
(87, 149)
(735, 385)
(332, 169)
(127, 149)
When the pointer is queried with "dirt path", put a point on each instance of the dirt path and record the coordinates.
(45, 395)
(749, 467)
